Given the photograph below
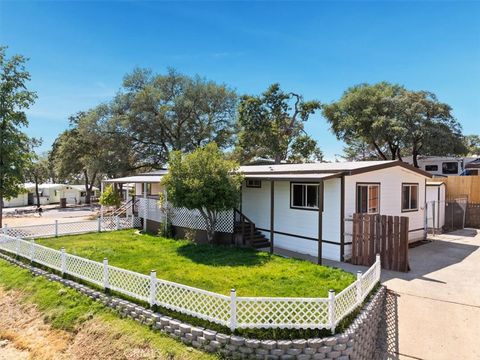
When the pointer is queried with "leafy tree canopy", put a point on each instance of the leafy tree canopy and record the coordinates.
(161, 113)
(272, 126)
(15, 146)
(395, 121)
(203, 180)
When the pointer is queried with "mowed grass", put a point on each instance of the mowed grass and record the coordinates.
(65, 309)
(213, 268)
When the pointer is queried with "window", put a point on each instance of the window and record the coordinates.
(431, 167)
(450, 168)
(254, 183)
(368, 198)
(409, 197)
(304, 196)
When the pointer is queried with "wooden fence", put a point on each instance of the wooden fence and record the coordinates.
(380, 234)
(462, 187)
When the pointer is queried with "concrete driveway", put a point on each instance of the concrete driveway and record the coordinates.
(433, 311)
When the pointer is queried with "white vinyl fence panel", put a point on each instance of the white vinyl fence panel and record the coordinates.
(71, 228)
(232, 311)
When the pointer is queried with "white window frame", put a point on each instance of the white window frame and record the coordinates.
(410, 185)
(305, 196)
(369, 186)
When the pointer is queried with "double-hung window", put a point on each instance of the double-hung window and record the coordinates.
(409, 197)
(304, 196)
(368, 198)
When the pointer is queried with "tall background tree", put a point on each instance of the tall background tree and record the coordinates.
(203, 180)
(472, 142)
(394, 122)
(39, 172)
(15, 146)
(272, 126)
(157, 114)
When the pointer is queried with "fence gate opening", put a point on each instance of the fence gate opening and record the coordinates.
(380, 234)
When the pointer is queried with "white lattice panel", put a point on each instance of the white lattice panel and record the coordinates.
(77, 227)
(188, 300)
(129, 283)
(28, 232)
(8, 243)
(287, 313)
(84, 269)
(346, 301)
(370, 278)
(153, 209)
(192, 219)
(47, 256)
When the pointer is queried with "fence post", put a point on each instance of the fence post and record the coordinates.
(5, 229)
(106, 285)
(331, 310)
(17, 245)
(63, 261)
(117, 222)
(56, 228)
(233, 309)
(32, 250)
(99, 224)
(153, 287)
(359, 287)
(378, 264)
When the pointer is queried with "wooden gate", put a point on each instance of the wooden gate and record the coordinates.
(380, 234)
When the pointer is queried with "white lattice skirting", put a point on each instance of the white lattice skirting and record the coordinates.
(232, 311)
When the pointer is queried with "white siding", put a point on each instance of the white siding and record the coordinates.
(390, 180)
(20, 200)
(300, 222)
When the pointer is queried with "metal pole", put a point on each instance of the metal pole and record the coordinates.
(145, 209)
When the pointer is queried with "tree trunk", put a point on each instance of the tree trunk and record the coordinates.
(37, 193)
(1, 211)
(379, 152)
(87, 188)
(278, 159)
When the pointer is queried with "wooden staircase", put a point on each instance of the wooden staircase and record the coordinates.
(250, 236)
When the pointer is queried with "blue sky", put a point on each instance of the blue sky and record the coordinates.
(79, 51)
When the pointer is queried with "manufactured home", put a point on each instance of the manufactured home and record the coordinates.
(308, 208)
(447, 165)
(18, 201)
(304, 208)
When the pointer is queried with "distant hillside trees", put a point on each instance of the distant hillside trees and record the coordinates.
(15, 146)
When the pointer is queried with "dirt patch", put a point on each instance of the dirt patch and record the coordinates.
(25, 335)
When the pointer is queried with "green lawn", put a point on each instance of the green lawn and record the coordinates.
(68, 310)
(211, 268)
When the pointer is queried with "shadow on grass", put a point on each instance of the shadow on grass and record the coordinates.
(222, 255)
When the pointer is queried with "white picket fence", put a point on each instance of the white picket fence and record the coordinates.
(57, 228)
(232, 311)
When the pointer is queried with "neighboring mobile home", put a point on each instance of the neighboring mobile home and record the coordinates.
(307, 207)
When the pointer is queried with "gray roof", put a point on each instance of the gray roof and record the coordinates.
(347, 168)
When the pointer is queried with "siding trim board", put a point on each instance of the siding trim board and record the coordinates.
(320, 221)
(304, 237)
(342, 218)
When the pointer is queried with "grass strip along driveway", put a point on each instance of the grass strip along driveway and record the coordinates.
(207, 267)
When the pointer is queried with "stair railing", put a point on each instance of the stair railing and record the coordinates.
(242, 219)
